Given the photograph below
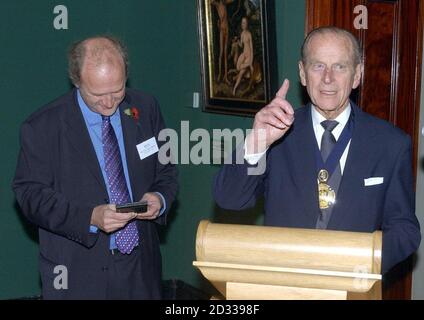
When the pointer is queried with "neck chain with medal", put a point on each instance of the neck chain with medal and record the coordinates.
(326, 195)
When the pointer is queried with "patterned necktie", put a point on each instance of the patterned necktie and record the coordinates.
(328, 141)
(126, 238)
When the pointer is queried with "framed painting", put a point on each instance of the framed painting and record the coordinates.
(238, 56)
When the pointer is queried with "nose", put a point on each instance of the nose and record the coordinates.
(328, 75)
(107, 101)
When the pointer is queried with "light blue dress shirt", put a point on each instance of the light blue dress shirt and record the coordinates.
(93, 122)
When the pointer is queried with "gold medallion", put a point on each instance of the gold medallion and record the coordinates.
(323, 175)
(327, 196)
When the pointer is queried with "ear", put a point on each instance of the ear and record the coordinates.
(302, 74)
(357, 76)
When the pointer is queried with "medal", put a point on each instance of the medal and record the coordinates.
(327, 196)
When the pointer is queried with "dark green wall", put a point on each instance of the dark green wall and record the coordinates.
(163, 45)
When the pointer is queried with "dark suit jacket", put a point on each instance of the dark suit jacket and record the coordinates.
(289, 184)
(58, 182)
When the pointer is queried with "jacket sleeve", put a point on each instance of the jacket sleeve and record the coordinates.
(401, 230)
(238, 184)
(41, 204)
(166, 177)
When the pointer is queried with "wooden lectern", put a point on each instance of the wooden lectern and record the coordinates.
(257, 262)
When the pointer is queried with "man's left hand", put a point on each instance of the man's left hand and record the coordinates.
(154, 204)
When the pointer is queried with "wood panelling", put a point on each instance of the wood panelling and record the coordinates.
(377, 89)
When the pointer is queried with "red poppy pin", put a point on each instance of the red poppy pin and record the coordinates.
(132, 112)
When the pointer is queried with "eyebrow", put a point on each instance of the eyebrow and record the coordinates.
(102, 94)
(340, 62)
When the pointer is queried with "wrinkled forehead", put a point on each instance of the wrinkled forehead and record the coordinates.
(323, 43)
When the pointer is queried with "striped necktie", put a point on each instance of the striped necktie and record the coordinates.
(126, 238)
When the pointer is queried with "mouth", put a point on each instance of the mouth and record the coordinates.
(328, 93)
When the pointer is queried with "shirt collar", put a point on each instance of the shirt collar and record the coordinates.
(342, 118)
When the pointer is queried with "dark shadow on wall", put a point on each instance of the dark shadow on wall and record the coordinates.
(30, 229)
(304, 95)
(170, 217)
(205, 286)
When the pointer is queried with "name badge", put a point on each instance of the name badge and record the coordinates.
(147, 148)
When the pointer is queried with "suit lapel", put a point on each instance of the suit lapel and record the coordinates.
(78, 136)
(131, 133)
(355, 169)
(303, 166)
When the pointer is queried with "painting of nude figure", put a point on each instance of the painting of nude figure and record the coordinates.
(237, 54)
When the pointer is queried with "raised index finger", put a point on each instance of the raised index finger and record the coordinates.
(282, 92)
